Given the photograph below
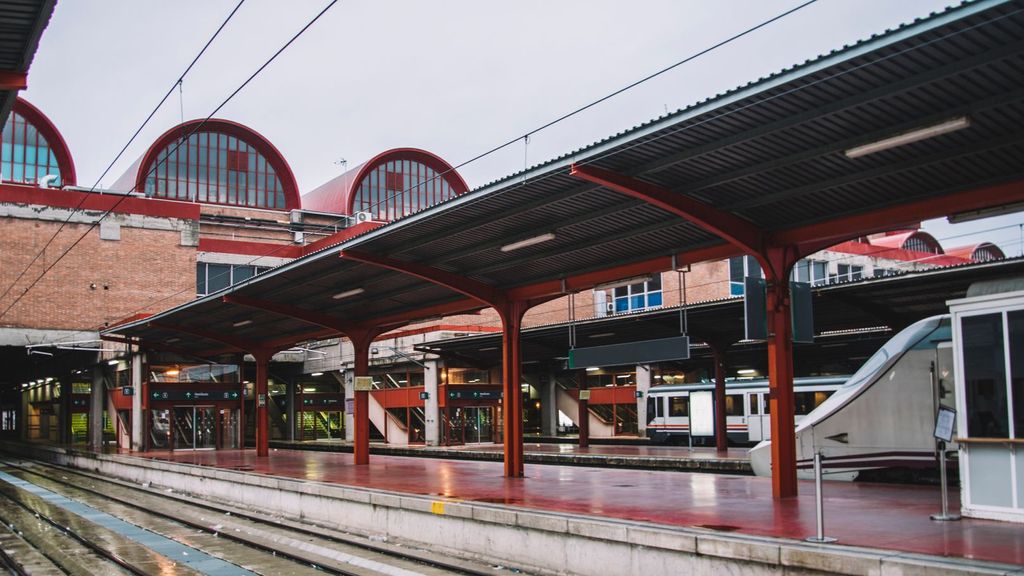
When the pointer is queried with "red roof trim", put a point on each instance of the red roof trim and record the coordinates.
(53, 136)
(27, 194)
(242, 132)
(248, 248)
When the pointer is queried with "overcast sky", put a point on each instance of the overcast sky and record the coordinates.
(454, 77)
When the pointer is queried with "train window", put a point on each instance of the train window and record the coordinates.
(652, 402)
(807, 401)
(1016, 335)
(679, 406)
(661, 407)
(985, 376)
(753, 400)
(734, 405)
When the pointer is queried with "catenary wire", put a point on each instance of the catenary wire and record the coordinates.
(78, 207)
(180, 142)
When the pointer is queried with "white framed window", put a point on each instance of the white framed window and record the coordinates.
(639, 296)
(213, 277)
(739, 268)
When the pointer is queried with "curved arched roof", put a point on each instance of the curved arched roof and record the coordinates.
(337, 195)
(907, 240)
(981, 252)
(53, 137)
(135, 178)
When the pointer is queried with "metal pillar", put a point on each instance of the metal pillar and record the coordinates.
(96, 404)
(431, 410)
(721, 427)
(583, 411)
(511, 324)
(780, 374)
(137, 415)
(262, 413)
(361, 415)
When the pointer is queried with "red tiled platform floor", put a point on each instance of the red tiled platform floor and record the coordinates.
(891, 517)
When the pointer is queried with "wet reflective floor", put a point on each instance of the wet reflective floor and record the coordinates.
(885, 516)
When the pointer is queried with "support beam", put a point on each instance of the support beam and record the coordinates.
(97, 399)
(511, 326)
(361, 341)
(477, 290)
(308, 316)
(237, 344)
(262, 398)
(732, 228)
(582, 410)
(11, 80)
(780, 371)
(818, 236)
(721, 425)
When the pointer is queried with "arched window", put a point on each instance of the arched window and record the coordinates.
(25, 154)
(213, 167)
(398, 188)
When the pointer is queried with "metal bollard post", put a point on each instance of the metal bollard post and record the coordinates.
(944, 516)
(820, 538)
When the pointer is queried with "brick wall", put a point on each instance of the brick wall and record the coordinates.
(99, 282)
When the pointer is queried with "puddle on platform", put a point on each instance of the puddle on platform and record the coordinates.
(719, 527)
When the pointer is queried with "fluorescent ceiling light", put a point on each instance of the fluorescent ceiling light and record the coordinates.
(932, 131)
(489, 348)
(113, 362)
(242, 323)
(602, 335)
(528, 242)
(172, 340)
(173, 372)
(985, 213)
(746, 371)
(347, 293)
(317, 374)
(593, 369)
(625, 282)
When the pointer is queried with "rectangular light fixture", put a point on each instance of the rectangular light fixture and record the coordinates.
(489, 348)
(113, 362)
(242, 323)
(315, 374)
(624, 282)
(602, 335)
(348, 293)
(951, 125)
(528, 242)
(747, 371)
(172, 340)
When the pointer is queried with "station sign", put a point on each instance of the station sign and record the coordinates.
(330, 401)
(195, 395)
(127, 391)
(474, 394)
(363, 383)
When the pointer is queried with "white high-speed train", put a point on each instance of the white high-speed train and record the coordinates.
(883, 417)
(746, 407)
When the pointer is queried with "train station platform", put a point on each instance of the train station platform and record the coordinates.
(573, 518)
(636, 455)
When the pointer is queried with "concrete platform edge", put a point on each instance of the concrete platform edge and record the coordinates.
(538, 541)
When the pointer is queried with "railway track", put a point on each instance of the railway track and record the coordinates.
(165, 532)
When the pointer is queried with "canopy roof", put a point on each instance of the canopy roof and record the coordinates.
(23, 25)
(767, 162)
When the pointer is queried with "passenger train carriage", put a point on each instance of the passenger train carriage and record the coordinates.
(746, 407)
(883, 417)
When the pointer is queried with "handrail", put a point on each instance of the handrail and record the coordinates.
(990, 440)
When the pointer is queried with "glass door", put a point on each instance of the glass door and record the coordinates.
(194, 428)
(478, 424)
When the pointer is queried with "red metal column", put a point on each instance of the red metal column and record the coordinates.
(583, 411)
(361, 415)
(721, 427)
(262, 414)
(777, 263)
(511, 324)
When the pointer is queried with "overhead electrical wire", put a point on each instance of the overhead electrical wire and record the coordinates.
(78, 207)
(688, 126)
(525, 138)
(180, 142)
